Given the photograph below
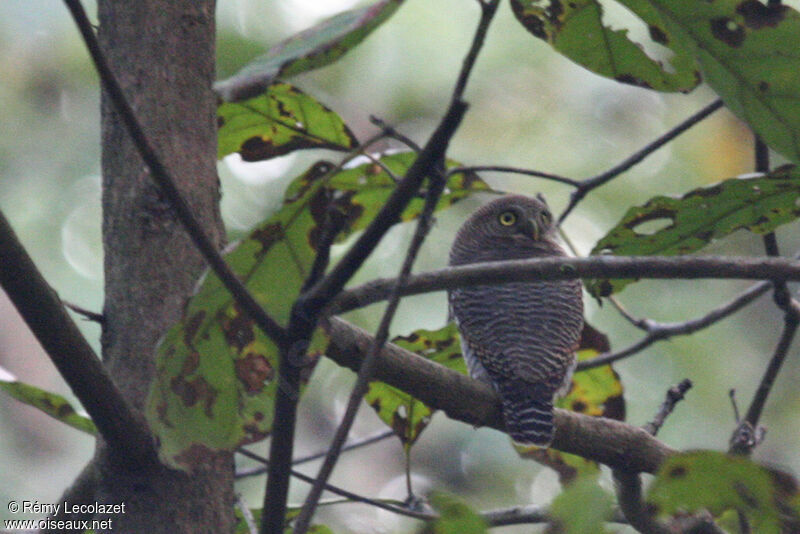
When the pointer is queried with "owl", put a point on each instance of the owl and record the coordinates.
(518, 337)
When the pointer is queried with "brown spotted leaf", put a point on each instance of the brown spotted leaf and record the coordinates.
(311, 49)
(216, 371)
(406, 415)
(686, 224)
(597, 392)
(577, 29)
(281, 120)
(52, 404)
(718, 482)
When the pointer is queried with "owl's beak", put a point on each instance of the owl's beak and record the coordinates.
(532, 229)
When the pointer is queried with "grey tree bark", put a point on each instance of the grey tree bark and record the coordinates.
(162, 52)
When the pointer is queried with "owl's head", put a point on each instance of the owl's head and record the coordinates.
(510, 227)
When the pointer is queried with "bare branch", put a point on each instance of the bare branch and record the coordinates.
(492, 273)
(607, 441)
(749, 425)
(661, 331)
(675, 394)
(44, 313)
(355, 444)
(515, 170)
(593, 183)
(345, 493)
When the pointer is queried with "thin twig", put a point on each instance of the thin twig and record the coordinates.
(345, 493)
(750, 421)
(661, 331)
(355, 444)
(516, 170)
(44, 313)
(392, 132)
(593, 183)
(674, 395)
(163, 178)
(89, 315)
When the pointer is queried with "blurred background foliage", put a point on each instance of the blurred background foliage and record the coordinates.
(529, 107)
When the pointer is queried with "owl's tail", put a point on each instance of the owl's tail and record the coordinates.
(528, 415)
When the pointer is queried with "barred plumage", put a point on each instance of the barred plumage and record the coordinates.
(519, 337)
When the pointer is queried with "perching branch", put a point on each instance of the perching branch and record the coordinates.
(607, 441)
(44, 313)
(593, 183)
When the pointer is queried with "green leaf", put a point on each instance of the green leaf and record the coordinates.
(52, 404)
(718, 482)
(597, 392)
(216, 370)
(576, 30)
(282, 120)
(310, 49)
(455, 517)
(407, 416)
(582, 507)
(750, 55)
(688, 223)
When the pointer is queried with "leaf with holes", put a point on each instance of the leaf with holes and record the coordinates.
(311, 49)
(577, 30)
(749, 54)
(597, 392)
(282, 120)
(718, 482)
(407, 416)
(52, 404)
(758, 203)
(215, 369)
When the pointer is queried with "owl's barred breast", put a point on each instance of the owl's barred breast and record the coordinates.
(520, 337)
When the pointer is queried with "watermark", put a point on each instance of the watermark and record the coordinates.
(58, 513)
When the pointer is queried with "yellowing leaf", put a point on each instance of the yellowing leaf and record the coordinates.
(406, 415)
(281, 120)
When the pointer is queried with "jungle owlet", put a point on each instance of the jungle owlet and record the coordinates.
(519, 337)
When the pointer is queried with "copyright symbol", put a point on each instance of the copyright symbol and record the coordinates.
(13, 507)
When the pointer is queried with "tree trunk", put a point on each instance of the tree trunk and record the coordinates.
(162, 52)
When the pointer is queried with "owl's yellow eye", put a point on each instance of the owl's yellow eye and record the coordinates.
(507, 218)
